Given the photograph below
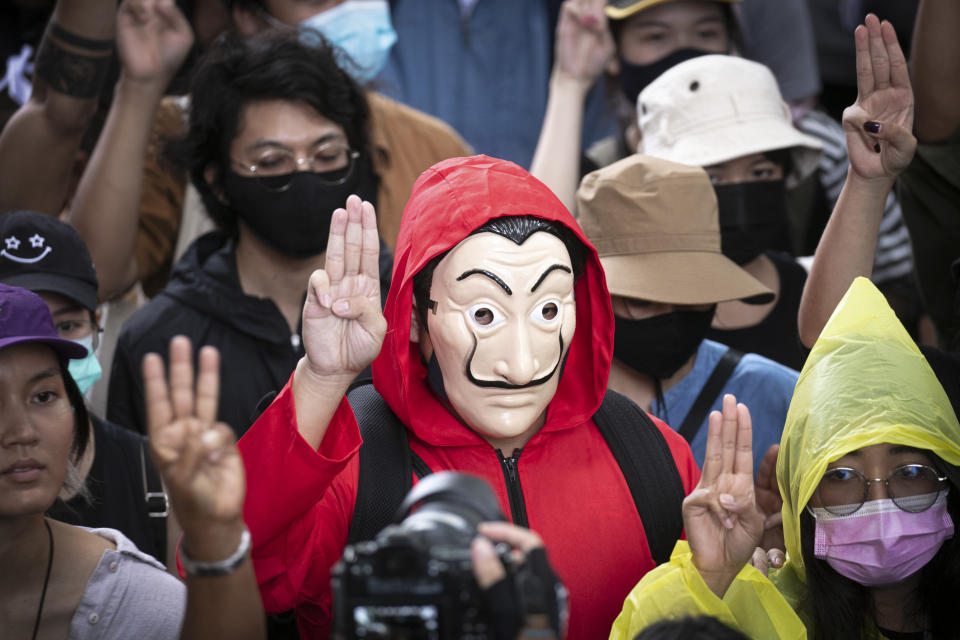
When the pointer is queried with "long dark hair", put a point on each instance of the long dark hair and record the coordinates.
(74, 482)
(81, 419)
(841, 609)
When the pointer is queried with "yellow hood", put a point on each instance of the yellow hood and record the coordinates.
(865, 382)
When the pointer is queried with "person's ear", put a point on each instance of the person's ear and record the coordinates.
(210, 177)
(247, 22)
(98, 315)
(419, 334)
(414, 325)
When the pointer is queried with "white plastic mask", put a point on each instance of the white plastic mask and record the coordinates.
(503, 319)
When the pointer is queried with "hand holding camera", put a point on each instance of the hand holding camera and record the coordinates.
(545, 606)
(430, 576)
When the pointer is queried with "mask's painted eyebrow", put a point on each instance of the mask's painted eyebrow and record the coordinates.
(551, 268)
(484, 272)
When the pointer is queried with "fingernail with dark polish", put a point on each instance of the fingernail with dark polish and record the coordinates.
(876, 147)
(871, 127)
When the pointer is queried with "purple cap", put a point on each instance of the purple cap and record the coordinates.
(24, 317)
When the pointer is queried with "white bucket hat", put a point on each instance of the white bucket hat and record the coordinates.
(715, 108)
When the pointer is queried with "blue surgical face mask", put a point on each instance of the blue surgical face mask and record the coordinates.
(362, 30)
(85, 371)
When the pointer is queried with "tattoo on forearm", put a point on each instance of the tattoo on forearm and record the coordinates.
(75, 74)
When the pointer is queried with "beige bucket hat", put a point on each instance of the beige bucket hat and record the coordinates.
(655, 226)
(716, 108)
(620, 9)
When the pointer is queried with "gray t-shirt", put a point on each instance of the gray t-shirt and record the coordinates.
(129, 595)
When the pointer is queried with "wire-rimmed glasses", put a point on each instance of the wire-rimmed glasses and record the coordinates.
(274, 167)
(912, 487)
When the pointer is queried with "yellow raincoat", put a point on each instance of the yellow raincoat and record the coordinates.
(865, 382)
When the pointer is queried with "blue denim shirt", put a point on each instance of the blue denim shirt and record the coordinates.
(484, 69)
(765, 386)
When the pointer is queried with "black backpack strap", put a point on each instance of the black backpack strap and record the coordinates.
(156, 498)
(714, 385)
(386, 464)
(649, 469)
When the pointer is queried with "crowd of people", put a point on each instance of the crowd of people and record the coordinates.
(266, 265)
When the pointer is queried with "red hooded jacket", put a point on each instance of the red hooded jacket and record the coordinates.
(300, 502)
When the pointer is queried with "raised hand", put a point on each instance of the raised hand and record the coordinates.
(153, 39)
(769, 500)
(196, 455)
(878, 125)
(584, 44)
(720, 517)
(343, 326)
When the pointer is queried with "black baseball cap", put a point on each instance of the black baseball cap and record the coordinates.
(41, 253)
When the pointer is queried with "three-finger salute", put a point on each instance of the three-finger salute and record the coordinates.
(720, 517)
(343, 326)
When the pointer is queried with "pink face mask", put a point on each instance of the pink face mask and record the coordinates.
(881, 543)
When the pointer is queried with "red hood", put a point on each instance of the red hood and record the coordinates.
(448, 202)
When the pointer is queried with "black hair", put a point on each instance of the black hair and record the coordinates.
(841, 609)
(781, 157)
(515, 228)
(690, 628)
(81, 419)
(275, 65)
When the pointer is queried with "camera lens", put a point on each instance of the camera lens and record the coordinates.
(400, 562)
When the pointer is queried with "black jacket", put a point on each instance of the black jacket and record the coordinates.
(118, 481)
(204, 301)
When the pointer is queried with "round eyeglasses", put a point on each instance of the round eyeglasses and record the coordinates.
(912, 487)
(274, 168)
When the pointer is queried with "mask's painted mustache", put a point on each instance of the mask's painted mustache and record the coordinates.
(499, 384)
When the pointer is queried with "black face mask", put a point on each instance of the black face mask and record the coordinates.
(295, 221)
(753, 218)
(635, 77)
(660, 345)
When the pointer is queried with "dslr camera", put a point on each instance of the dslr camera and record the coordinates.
(415, 581)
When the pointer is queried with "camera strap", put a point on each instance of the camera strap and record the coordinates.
(648, 466)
